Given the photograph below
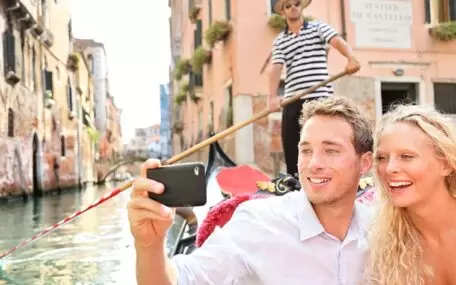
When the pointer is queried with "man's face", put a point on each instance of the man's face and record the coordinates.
(292, 10)
(329, 167)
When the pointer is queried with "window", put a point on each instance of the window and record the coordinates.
(209, 4)
(196, 79)
(33, 70)
(229, 108)
(70, 96)
(62, 146)
(10, 123)
(228, 10)
(439, 11)
(211, 116)
(198, 41)
(271, 4)
(91, 63)
(48, 80)
(9, 50)
(23, 51)
(445, 97)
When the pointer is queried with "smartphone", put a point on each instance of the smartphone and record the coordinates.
(185, 184)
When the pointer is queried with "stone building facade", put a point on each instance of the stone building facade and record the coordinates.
(406, 49)
(39, 106)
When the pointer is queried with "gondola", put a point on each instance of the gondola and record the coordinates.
(194, 225)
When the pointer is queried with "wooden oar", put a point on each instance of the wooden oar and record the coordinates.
(174, 159)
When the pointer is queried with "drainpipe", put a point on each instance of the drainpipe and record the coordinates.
(343, 20)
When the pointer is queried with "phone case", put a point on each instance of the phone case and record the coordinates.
(185, 184)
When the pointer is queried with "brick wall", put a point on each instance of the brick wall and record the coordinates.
(16, 152)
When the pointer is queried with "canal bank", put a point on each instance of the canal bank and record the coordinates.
(95, 248)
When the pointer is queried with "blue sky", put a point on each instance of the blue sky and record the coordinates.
(136, 38)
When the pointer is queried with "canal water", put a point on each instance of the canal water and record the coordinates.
(95, 248)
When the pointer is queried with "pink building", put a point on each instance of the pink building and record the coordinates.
(400, 44)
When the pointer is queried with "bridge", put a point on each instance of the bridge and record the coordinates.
(109, 167)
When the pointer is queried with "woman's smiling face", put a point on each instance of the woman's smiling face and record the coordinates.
(407, 165)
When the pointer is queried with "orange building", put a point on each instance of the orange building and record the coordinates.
(406, 48)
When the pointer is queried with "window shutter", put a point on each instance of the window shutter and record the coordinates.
(70, 96)
(427, 11)
(228, 9)
(452, 4)
(48, 81)
(273, 2)
(210, 11)
(9, 45)
(198, 34)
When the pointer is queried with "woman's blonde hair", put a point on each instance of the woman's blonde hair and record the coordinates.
(396, 256)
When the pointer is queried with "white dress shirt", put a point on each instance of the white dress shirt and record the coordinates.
(275, 241)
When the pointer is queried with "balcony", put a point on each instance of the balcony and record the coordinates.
(46, 36)
(19, 12)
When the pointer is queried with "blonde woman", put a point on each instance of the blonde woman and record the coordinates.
(413, 239)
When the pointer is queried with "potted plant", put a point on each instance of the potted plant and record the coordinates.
(181, 97)
(178, 126)
(195, 98)
(48, 99)
(278, 22)
(73, 61)
(194, 12)
(200, 57)
(218, 31)
(94, 135)
(182, 68)
(444, 31)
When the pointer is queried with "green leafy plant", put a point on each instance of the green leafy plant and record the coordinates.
(73, 61)
(444, 31)
(182, 94)
(195, 98)
(178, 126)
(194, 12)
(199, 58)
(94, 135)
(278, 22)
(182, 68)
(218, 31)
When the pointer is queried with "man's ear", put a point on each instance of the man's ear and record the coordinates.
(366, 162)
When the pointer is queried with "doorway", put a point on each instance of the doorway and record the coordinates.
(394, 93)
(35, 157)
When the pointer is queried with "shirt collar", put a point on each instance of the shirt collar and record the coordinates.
(310, 226)
(303, 27)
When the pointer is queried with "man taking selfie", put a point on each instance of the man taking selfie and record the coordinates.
(302, 49)
(312, 236)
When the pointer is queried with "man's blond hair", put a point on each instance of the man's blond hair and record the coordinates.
(342, 107)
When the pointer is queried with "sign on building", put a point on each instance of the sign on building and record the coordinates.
(382, 23)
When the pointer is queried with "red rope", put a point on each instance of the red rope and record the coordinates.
(68, 218)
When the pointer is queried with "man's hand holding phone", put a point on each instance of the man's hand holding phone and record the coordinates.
(149, 220)
(157, 192)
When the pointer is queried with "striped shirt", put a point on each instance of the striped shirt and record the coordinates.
(304, 56)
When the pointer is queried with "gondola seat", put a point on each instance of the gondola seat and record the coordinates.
(220, 214)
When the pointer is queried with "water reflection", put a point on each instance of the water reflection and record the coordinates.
(95, 248)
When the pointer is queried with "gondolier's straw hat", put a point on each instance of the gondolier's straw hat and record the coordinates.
(279, 4)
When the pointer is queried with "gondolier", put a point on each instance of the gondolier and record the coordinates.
(301, 48)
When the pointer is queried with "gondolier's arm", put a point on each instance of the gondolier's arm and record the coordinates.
(274, 79)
